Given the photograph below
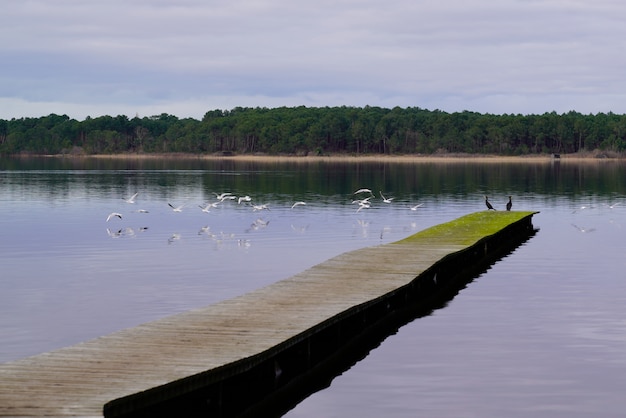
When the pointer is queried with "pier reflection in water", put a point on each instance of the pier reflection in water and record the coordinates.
(359, 347)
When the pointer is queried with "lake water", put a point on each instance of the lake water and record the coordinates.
(542, 333)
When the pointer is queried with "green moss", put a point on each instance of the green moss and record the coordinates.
(467, 229)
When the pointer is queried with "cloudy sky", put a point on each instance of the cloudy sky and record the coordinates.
(185, 57)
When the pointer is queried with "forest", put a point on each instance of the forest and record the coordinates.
(319, 131)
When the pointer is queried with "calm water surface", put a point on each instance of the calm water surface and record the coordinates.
(542, 333)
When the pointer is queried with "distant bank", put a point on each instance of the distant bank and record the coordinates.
(387, 158)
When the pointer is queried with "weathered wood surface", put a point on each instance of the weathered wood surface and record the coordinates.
(79, 380)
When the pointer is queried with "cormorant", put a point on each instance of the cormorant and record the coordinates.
(489, 207)
(509, 204)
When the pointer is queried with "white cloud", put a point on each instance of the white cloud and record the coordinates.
(187, 57)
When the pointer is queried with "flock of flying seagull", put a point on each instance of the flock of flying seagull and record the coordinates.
(362, 202)
(362, 198)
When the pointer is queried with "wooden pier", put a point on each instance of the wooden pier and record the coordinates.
(229, 357)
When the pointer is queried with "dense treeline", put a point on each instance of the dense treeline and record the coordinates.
(304, 130)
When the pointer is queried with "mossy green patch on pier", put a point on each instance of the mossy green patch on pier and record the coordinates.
(467, 229)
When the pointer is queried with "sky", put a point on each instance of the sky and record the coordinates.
(186, 57)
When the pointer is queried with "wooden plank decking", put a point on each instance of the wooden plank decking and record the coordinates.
(79, 380)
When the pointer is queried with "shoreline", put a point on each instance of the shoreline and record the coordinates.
(342, 158)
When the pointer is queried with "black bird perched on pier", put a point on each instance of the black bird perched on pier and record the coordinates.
(509, 205)
(489, 207)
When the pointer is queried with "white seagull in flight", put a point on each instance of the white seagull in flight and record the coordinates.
(206, 208)
(131, 199)
(222, 196)
(176, 208)
(364, 191)
(114, 215)
(363, 204)
(244, 199)
(386, 200)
